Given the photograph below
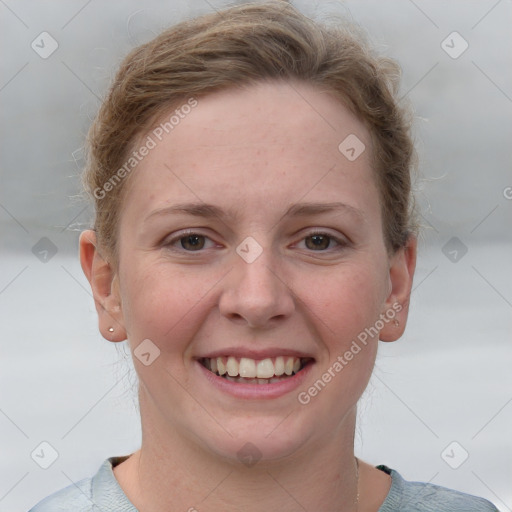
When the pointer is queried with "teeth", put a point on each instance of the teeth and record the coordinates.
(279, 366)
(252, 381)
(265, 369)
(254, 371)
(221, 367)
(232, 367)
(247, 368)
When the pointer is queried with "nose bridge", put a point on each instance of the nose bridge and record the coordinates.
(260, 276)
(256, 292)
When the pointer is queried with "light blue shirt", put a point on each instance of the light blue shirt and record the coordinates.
(102, 493)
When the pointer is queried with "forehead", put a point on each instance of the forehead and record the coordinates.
(261, 146)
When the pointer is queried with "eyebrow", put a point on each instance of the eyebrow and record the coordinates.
(205, 210)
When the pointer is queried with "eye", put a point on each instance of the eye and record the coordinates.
(189, 241)
(319, 241)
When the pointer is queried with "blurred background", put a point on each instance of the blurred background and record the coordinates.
(439, 405)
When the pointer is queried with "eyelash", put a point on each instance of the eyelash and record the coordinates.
(168, 244)
(341, 243)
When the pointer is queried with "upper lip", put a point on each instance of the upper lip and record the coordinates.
(255, 354)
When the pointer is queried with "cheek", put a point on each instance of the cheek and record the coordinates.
(342, 305)
(163, 304)
(345, 299)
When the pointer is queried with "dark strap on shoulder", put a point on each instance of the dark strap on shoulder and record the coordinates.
(384, 468)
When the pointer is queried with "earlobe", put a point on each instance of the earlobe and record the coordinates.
(401, 274)
(102, 279)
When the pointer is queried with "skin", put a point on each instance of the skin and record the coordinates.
(252, 152)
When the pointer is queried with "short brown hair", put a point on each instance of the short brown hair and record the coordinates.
(238, 46)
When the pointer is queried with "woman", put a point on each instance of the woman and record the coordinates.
(253, 240)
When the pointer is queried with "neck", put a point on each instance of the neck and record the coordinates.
(173, 472)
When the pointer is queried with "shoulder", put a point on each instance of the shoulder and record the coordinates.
(101, 492)
(409, 496)
(76, 497)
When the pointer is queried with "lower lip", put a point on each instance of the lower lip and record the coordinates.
(256, 391)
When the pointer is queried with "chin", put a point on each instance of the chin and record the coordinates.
(257, 441)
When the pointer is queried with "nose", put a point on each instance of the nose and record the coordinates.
(256, 294)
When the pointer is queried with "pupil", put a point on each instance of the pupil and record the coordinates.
(320, 241)
(192, 241)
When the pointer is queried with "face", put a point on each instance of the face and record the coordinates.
(247, 234)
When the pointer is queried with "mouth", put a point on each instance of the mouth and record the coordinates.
(245, 370)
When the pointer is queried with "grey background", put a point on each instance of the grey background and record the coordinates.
(448, 379)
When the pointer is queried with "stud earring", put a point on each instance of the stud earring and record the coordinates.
(110, 329)
(396, 322)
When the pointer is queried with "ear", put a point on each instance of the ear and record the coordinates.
(104, 286)
(401, 273)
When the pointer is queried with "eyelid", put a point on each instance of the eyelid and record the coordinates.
(170, 241)
(340, 240)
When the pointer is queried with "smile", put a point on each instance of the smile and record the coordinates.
(252, 371)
